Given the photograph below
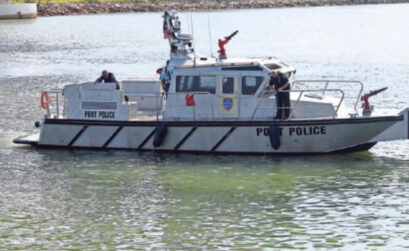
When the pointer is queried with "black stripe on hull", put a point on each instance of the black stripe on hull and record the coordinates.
(185, 138)
(225, 123)
(146, 139)
(223, 139)
(112, 137)
(77, 136)
(357, 148)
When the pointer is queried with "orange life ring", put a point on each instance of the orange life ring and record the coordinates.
(45, 100)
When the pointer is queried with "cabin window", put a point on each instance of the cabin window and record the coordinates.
(250, 84)
(196, 84)
(273, 66)
(228, 85)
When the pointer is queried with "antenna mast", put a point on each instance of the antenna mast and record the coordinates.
(193, 39)
(210, 33)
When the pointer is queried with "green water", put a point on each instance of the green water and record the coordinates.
(122, 200)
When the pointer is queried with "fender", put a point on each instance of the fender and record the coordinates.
(274, 137)
(160, 135)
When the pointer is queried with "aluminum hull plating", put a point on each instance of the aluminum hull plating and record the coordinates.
(251, 137)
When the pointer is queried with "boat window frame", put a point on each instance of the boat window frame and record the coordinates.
(257, 89)
(193, 76)
(228, 89)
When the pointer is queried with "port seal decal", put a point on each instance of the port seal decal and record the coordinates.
(228, 103)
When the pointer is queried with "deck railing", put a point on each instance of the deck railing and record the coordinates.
(159, 102)
(202, 105)
(54, 95)
(160, 99)
(323, 85)
(297, 101)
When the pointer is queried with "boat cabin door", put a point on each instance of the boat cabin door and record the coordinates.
(227, 93)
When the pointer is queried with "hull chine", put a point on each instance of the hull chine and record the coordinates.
(329, 136)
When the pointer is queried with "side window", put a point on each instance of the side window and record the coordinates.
(207, 84)
(250, 84)
(181, 83)
(228, 85)
(196, 84)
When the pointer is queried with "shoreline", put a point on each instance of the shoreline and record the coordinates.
(85, 8)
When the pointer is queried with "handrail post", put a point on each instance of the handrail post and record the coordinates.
(211, 104)
(359, 95)
(258, 103)
(325, 88)
(340, 101)
(296, 103)
(157, 108)
(57, 105)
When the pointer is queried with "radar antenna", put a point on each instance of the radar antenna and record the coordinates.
(181, 45)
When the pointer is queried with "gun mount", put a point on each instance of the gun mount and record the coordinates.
(367, 108)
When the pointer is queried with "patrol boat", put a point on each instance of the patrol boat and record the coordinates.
(213, 105)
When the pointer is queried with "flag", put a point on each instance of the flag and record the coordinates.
(167, 33)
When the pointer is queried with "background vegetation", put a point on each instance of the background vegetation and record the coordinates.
(75, 1)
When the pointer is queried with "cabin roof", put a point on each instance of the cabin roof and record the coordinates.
(269, 64)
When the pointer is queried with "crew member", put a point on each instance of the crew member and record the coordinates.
(165, 78)
(106, 77)
(279, 82)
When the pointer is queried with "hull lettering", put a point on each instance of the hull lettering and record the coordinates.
(294, 131)
(101, 114)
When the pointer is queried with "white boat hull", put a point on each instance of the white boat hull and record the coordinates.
(250, 137)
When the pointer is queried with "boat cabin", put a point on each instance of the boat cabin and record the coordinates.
(200, 89)
(206, 91)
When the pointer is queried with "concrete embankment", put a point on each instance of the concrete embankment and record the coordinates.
(54, 9)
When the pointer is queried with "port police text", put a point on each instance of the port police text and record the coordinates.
(100, 114)
(294, 131)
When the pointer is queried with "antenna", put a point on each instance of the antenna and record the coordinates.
(210, 33)
(193, 39)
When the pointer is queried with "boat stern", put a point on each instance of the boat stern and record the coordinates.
(31, 139)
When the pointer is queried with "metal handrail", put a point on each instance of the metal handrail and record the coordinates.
(301, 92)
(194, 107)
(159, 101)
(57, 106)
(329, 81)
